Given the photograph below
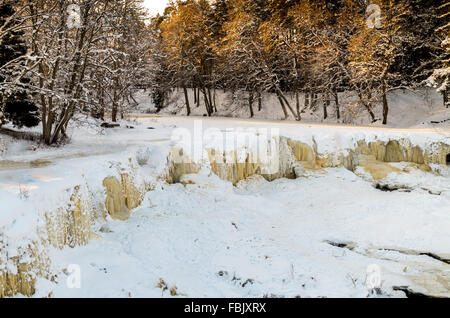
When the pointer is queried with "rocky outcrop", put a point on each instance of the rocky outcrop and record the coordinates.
(374, 157)
(234, 166)
(179, 164)
(115, 199)
(121, 197)
(296, 157)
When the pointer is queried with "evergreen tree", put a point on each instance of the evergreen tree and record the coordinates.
(16, 106)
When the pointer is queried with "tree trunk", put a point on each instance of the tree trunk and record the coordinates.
(283, 108)
(297, 105)
(207, 104)
(307, 100)
(259, 101)
(186, 97)
(445, 97)
(211, 101)
(250, 103)
(385, 105)
(336, 101)
(280, 94)
(198, 97)
(2, 111)
(101, 111)
(313, 101)
(367, 106)
(114, 107)
(114, 113)
(325, 105)
(134, 100)
(214, 99)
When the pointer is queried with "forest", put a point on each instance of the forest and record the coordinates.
(61, 58)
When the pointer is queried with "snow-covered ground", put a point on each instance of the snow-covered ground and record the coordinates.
(265, 239)
(328, 234)
(421, 108)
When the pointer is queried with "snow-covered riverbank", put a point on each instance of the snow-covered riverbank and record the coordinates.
(265, 239)
(313, 236)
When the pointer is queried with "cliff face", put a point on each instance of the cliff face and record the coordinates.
(294, 156)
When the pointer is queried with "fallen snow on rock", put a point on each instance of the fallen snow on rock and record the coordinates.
(309, 237)
(316, 236)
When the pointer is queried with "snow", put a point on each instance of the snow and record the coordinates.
(208, 238)
(407, 108)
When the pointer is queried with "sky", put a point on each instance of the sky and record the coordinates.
(156, 6)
